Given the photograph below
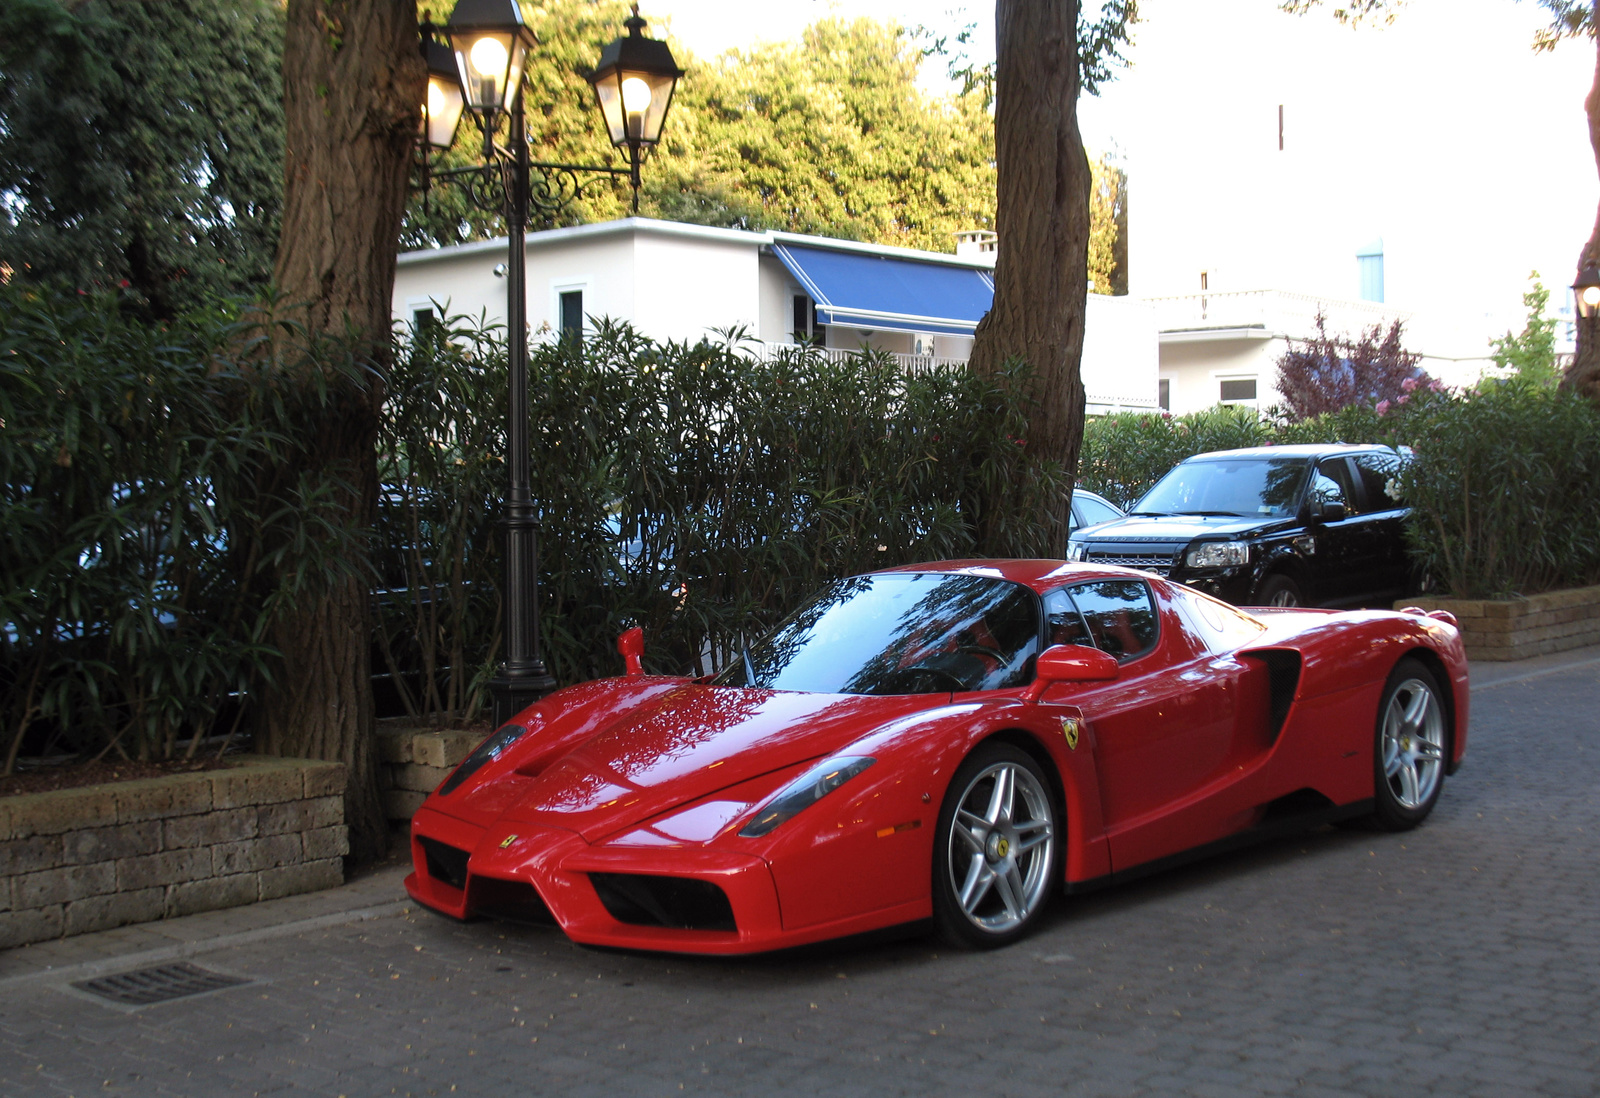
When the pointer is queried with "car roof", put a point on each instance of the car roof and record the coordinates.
(1041, 575)
(1325, 449)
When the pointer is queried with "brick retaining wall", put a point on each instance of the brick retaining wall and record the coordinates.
(1519, 629)
(412, 763)
(78, 860)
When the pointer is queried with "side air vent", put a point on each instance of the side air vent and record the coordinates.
(511, 901)
(682, 903)
(1283, 679)
(444, 862)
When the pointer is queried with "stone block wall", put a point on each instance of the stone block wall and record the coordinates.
(79, 860)
(1519, 629)
(412, 763)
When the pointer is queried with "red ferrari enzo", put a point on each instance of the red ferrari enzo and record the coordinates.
(955, 741)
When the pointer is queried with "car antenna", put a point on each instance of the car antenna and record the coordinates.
(744, 650)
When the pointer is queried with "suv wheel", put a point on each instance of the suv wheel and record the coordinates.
(1279, 590)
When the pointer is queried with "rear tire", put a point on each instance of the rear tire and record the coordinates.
(997, 850)
(1411, 745)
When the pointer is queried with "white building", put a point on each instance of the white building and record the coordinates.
(681, 282)
(1277, 164)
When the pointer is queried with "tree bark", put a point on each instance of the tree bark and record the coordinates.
(353, 82)
(1042, 220)
(1584, 373)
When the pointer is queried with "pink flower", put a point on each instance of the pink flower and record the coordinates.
(1405, 398)
(1409, 384)
(1383, 407)
(1436, 385)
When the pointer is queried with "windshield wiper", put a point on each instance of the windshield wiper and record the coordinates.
(1213, 514)
(1149, 514)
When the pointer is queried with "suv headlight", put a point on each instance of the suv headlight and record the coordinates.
(1218, 554)
(1076, 550)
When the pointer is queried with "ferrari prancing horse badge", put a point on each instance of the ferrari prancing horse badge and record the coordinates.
(1069, 729)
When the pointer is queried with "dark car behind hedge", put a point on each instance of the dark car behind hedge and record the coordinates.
(1269, 526)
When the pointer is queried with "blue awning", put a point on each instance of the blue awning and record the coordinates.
(880, 292)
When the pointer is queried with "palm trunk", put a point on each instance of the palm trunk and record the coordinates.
(1584, 373)
(353, 83)
(1042, 219)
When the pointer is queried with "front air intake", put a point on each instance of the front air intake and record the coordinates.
(444, 862)
(509, 901)
(682, 903)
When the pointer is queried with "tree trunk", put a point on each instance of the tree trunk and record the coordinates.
(1042, 220)
(1584, 373)
(353, 82)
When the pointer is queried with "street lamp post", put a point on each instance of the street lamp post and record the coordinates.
(490, 44)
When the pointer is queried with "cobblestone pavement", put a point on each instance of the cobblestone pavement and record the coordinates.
(1459, 959)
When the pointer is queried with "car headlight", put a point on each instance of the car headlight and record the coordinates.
(803, 792)
(1076, 550)
(485, 753)
(1218, 554)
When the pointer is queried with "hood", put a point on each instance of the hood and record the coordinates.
(1180, 528)
(698, 741)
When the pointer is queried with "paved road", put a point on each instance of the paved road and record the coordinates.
(1459, 959)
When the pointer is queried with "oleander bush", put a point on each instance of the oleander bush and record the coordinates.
(149, 533)
(687, 488)
(147, 536)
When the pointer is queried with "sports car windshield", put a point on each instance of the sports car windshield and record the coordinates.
(900, 633)
(1249, 487)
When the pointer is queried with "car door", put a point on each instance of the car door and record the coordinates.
(1343, 550)
(1385, 512)
(1162, 730)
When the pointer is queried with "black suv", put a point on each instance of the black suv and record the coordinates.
(1269, 526)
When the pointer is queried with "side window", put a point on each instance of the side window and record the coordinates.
(1379, 474)
(1331, 484)
(1063, 623)
(1120, 616)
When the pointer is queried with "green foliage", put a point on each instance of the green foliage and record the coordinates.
(143, 550)
(1532, 354)
(1124, 455)
(1108, 228)
(141, 144)
(685, 488)
(1505, 491)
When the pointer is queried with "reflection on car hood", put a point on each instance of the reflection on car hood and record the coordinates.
(696, 742)
(1181, 527)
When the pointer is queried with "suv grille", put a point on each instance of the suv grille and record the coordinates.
(1159, 563)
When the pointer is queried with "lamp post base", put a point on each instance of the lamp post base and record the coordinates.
(513, 693)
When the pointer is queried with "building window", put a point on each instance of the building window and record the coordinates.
(1369, 271)
(1238, 390)
(806, 328)
(572, 315)
(1164, 394)
(423, 317)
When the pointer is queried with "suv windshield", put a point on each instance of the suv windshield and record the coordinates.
(900, 633)
(1251, 487)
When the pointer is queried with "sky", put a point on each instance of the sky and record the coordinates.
(1449, 99)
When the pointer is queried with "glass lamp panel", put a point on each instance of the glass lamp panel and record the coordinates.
(654, 115)
(609, 92)
(485, 61)
(441, 112)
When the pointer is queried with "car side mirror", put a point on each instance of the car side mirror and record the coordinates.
(630, 646)
(1070, 663)
(1326, 511)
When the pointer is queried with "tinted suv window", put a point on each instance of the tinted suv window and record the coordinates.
(1247, 486)
(1379, 473)
(1332, 483)
(1119, 616)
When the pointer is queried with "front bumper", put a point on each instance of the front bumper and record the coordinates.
(538, 873)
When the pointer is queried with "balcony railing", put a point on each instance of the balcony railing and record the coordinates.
(911, 364)
(1275, 312)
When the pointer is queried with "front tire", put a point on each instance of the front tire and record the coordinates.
(1411, 744)
(1279, 590)
(997, 850)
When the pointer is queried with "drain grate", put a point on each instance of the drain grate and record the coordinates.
(159, 984)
